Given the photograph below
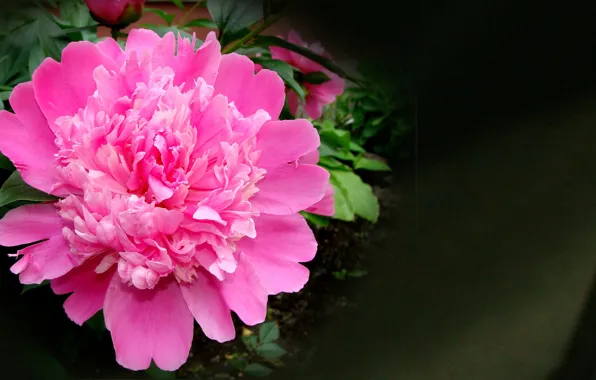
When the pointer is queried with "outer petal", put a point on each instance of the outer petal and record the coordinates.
(203, 63)
(30, 223)
(28, 147)
(282, 237)
(44, 261)
(208, 307)
(311, 158)
(244, 294)
(62, 88)
(325, 206)
(89, 290)
(148, 324)
(285, 141)
(237, 80)
(278, 275)
(140, 40)
(290, 188)
(313, 107)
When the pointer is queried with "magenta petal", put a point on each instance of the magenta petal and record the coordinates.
(289, 189)
(44, 261)
(278, 275)
(285, 237)
(237, 80)
(148, 324)
(244, 294)
(30, 223)
(208, 307)
(285, 141)
(204, 63)
(89, 290)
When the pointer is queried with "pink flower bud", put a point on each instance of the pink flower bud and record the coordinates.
(116, 13)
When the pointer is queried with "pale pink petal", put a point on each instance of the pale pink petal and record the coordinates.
(30, 223)
(237, 80)
(279, 275)
(291, 188)
(244, 294)
(284, 141)
(148, 324)
(284, 237)
(88, 290)
(209, 309)
(325, 206)
(140, 40)
(44, 261)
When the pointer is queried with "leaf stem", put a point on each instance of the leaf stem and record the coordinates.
(266, 23)
(188, 13)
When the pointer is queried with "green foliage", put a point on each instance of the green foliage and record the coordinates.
(285, 71)
(167, 17)
(268, 332)
(233, 18)
(28, 287)
(15, 189)
(343, 273)
(156, 373)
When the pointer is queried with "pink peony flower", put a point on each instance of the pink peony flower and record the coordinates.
(325, 206)
(317, 95)
(116, 12)
(180, 190)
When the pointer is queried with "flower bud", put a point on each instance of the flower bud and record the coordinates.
(116, 13)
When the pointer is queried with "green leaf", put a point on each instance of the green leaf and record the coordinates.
(28, 287)
(271, 351)
(15, 189)
(323, 61)
(336, 137)
(257, 370)
(268, 332)
(343, 208)
(97, 324)
(357, 273)
(36, 56)
(317, 77)
(238, 363)
(202, 23)
(359, 194)
(339, 275)
(356, 148)
(163, 30)
(333, 164)
(250, 341)
(178, 3)
(156, 373)
(317, 220)
(326, 150)
(75, 13)
(167, 17)
(232, 15)
(284, 70)
(370, 164)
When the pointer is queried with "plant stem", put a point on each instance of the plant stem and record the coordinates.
(254, 32)
(185, 15)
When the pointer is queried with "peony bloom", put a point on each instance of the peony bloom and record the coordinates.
(317, 95)
(325, 206)
(180, 190)
(116, 12)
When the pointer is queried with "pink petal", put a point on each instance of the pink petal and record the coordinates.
(62, 88)
(148, 324)
(237, 80)
(289, 189)
(207, 213)
(88, 290)
(311, 158)
(202, 64)
(244, 294)
(33, 157)
(140, 40)
(285, 141)
(281, 237)
(30, 223)
(44, 261)
(325, 206)
(313, 107)
(208, 307)
(293, 102)
(279, 275)
(111, 48)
